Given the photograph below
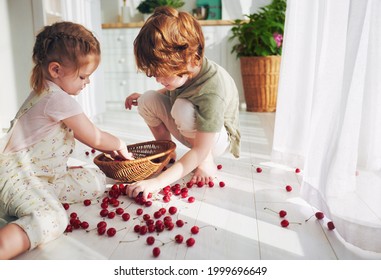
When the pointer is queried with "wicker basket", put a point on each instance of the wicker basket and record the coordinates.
(150, 158)
(260, 77)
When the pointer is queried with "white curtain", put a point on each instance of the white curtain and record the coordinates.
(88, 13)
(328, 118)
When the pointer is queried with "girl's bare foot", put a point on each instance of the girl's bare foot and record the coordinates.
(205, 171)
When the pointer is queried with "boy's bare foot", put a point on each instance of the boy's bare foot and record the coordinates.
(205, 171)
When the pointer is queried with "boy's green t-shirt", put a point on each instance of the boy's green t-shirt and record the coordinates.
(214, 95)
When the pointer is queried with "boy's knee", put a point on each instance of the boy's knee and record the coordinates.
(147, 99)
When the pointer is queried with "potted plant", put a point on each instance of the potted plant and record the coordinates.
(148, 6)
(259, 48)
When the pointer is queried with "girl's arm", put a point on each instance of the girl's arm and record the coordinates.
(86, 132)
(203, 143)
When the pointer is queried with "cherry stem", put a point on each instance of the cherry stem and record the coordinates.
(296, 223)
(126, 241)
(270, 210)
(208, 226)
(121, 229)
(309, 218)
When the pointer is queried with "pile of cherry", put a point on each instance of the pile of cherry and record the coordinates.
(147, 221)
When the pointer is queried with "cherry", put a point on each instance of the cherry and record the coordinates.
(259, 170)
(87, 153)
(195, 229)
(163, 210)
(101, 224)
(146, 217)
(179, 223)
(190, 242)
(157, 214)
(222, 184)
(200, 184)
(101, 230)
(104, 212)
(84, 225)
(297, 170)
(87, 202)
(179, 238)
(143, 230)
(69, 228)
(137, 228)
(92, 151)
(166, 198)
(66, 205)
(330, 225)
(125, 217)
(111, 232)
(119, 211)
(104, 205)
(211, 184)
(184, 194)
(150, 240)
(156, 252)
(281, 213)
(318, 215)
(172, 210)
(111, 215)
(139, 211)
(191, 199)
(288, 188)
(219, 166)
(285, 223)
(73, 215)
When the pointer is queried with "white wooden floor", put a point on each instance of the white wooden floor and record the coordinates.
(244, 230)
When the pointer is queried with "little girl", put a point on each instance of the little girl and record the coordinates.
(34, 177)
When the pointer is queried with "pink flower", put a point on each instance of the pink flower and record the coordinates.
(278, 39)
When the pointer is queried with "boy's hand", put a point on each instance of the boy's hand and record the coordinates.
(132, 100)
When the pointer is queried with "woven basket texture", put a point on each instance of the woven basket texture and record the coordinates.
(149, 159)
(260, 76)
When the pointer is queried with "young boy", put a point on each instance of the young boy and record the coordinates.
(198, 104)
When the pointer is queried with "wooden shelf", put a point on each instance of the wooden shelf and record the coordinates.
(140, 24)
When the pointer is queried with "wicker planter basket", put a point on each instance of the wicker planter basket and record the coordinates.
(260, 77)
(150, 158)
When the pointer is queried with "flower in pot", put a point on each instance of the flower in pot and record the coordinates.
(148, 6)
(259, 48)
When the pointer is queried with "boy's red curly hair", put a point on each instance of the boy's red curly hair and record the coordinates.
(168, 41)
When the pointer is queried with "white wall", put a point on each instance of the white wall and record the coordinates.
(16, 42)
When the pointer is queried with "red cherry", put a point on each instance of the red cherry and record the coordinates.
(284, 223)
(92, 151)
(184, 194)
(87, 153)
(111, 232)
(103, 212)
(150, 240)
(172, 210)
(101, 230)
(195, 229)
(73, 215)
(87, 202)
(104, 205)
(125, 217)
(101, 224)
(137, 228)
(166, 198)
(219, 166)
(156, 252)
(222, 184)
(84, 225)
(211, 184)
(191, 199)
(330, 225)
(259, 170)
(179, 238)
(66, 205)
(200, 184)
(179, 223)
(282, 213)
(297, 170)
(319, 215)
(69, 228)
(288, 188)
(143, 230)
(190, 242)
(139, 211)
(111, 215)
(119, 211)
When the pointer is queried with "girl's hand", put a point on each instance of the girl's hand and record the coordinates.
(132, 100)
(145, 187)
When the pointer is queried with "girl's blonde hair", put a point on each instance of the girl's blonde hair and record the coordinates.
(168, 41)
(67, 43)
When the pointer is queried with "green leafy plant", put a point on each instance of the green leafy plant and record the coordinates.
(262, 33)
(148, 6)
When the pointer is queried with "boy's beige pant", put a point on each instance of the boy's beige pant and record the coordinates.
(36, 181)
(155, 108)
